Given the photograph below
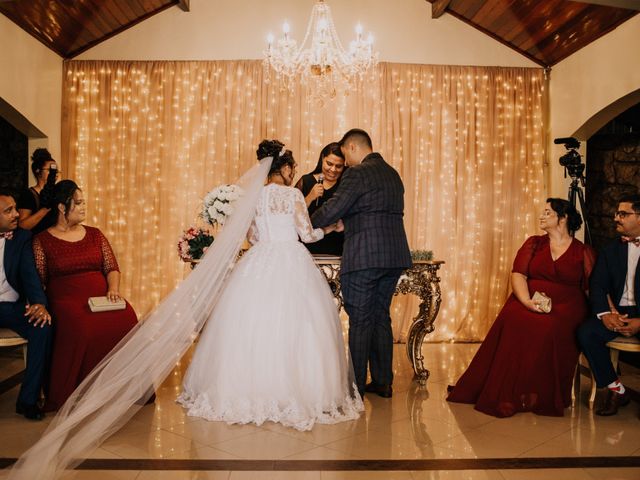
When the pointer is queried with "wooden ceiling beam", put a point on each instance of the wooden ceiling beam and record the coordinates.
(438, 7)
(184, 5)
(628, 4)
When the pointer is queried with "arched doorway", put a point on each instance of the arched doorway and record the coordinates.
(613, 170)
(612, 156)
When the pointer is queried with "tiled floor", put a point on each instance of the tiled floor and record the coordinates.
(416, 424)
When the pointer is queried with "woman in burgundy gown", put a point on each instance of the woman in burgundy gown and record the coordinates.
(527, 361)
(76, 262)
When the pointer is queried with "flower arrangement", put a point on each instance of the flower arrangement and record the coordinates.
(218, 203)
(193, 243)
(421, 255)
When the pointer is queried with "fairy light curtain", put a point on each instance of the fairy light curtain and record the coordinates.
(146, 141)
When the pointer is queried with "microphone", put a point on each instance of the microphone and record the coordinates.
(320, 180)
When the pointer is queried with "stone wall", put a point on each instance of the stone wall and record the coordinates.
(613, 170)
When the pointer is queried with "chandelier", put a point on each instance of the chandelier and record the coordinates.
(320, 62)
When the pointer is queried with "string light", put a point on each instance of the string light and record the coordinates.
(147, 140)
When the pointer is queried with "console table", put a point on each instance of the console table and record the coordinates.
(422, 280)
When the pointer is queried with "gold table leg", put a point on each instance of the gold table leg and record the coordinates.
(422, 280)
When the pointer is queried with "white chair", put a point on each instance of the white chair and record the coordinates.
(617, 345)
(9, 338)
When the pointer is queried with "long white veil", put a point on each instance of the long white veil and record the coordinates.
(118, 387)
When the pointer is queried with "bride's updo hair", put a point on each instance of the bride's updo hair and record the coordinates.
(275, 149)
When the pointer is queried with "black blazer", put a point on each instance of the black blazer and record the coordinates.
(20, 268)
(370, 201)
(609, 276)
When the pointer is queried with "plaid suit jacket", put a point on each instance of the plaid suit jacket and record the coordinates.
(370, 201)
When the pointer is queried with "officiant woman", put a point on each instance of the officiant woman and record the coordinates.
(76, 262)
(527, 360)
(318, 187)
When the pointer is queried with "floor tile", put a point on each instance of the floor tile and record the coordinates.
(101, 475)
(275, 476)
(366, 475)
(156, 444)
(546, 474)
(264, 445)
(320, 434)
(376, 445)
(614, 473)
(482, 445)
(321, 453)
(210, 433)
(458, 475)
(582, 442)
(536, 428)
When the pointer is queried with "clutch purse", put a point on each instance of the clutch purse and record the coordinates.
(102, 304)
(543, 301)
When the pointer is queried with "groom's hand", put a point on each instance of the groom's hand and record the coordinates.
(631, 327)
(340, 226)
(37, 314)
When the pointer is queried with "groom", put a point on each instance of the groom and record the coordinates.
(370, 202)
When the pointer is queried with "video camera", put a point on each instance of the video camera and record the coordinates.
(46, 194)
(571, 161)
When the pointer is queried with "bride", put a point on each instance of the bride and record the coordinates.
(272, 349)
(273, 346)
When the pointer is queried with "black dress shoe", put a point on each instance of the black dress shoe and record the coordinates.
(613, 401)
(32, 412)
(385, 391)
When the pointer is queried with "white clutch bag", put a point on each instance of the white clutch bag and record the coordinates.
(102, 304)
(543, 301)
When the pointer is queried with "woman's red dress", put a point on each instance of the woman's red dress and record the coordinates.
(72, 272)
(527, 360)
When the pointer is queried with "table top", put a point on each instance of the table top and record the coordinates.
(335, 260)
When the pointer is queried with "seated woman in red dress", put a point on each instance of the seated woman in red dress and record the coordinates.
(76, 262)
(526, 362)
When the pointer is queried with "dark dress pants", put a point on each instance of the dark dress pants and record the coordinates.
(39, 338)
(367, 297)
(593, 337)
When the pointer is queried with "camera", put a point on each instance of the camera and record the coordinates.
(53, 174)
(46, 195)
(571, 161)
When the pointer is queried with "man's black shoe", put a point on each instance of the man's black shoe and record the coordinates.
(613, 401)
(384, 391)
(32, 412)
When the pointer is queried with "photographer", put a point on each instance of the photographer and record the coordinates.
(33, 203)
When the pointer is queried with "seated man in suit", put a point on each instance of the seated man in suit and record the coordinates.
(22, 303)
(614, 293)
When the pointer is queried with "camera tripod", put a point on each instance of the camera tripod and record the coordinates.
(575, 191)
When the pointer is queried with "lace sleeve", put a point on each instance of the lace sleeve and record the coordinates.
(41, 261)
(252, 234)
(109, 262)
(303, 225)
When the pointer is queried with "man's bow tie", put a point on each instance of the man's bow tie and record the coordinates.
(635, 241)
(8, 235)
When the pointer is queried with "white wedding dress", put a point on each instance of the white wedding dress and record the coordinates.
(273, 349)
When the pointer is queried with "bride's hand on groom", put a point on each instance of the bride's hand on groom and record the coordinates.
(334, 227)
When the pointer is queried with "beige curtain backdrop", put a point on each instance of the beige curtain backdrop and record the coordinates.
(146, 141)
